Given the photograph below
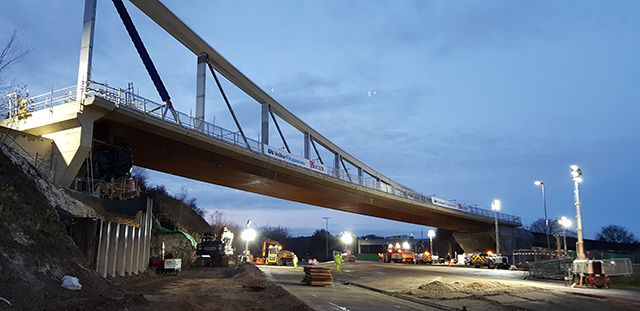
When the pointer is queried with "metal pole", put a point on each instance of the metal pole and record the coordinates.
(431, 245)
(495, 217)
(580, 244)
(326, 236)
(564, 235)
(546, 219)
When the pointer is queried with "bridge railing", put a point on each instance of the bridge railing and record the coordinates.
(127, 99)
(10, 104)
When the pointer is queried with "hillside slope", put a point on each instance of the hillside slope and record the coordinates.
(36, 252)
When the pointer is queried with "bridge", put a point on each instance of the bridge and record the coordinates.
(72, 120)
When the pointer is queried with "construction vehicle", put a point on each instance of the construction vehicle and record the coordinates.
(273, 254)
(216, 250)
(349, 256)
(489, 260)
(408, 256)
(398, 254)
(425, 258)
(589, 273)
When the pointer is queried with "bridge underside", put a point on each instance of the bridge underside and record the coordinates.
(510, 239)
(170, 148)
(175, 151)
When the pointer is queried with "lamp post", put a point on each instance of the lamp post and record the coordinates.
(565, 223)
(546, 219)
(326, 236)
(431, 234)
(495, 207)
(576, 176)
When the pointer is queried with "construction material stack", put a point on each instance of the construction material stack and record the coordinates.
(318, 276)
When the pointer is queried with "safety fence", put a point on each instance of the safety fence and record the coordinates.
(549, 269)
(127, 99)
(617, 266)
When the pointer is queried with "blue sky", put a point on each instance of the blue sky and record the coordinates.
(469, 100)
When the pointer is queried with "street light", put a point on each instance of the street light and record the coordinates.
(326, 236)
(540, 184)
(347, 238)
(565, 223)
(576, 176)
(495, 207)
(406, 245)
(431, 234)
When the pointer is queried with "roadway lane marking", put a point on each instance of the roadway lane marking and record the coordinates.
(338, 307)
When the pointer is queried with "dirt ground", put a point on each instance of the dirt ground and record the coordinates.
(228, 289)
(493, 295)
(36, 252)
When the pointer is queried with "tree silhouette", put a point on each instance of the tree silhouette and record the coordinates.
(276, 233)
(616, 234)
(317, 246)
(555, 228)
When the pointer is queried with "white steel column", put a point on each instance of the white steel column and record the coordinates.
(307, 145)
(86, 47)
(200, 91)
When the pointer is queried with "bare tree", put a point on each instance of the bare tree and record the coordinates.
(141, 178)
(217, 220)
(277, 233)
(616, 234)
(555, 228)
(11, 51)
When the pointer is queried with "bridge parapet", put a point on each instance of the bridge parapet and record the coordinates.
(127, 99)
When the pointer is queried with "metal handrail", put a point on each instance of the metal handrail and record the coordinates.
(124, 99)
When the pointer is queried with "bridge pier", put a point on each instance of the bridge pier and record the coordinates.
(481, 241)
(70, 127)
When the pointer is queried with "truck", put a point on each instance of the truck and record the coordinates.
(490, 260)
(425, 258)
(396, 253)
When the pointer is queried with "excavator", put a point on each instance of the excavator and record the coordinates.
(273, 254)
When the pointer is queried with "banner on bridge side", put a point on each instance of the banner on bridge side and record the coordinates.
(296, 160)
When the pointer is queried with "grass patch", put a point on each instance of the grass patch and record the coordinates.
(626, 282)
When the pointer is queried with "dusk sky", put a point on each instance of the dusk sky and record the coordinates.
(468, 100)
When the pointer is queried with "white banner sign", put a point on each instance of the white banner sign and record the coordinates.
(290, 158)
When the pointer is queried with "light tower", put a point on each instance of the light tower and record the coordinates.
(495, 207)
(576, 176)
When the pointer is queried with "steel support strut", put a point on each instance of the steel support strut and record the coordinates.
(226, 101)
(279, 130)
(144, 55)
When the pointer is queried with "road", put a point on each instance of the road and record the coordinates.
(377, 286)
